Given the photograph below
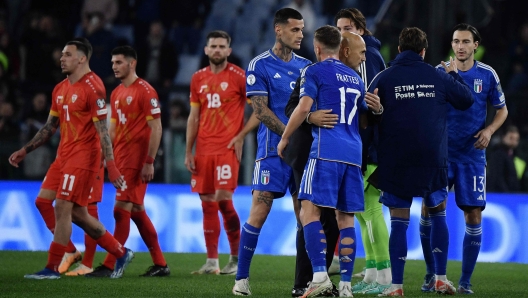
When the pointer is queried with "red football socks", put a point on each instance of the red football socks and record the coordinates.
(231, 224)
(47, 211)
(150, 236)
(55, 254)
(211, 226)
(121, 232)
(89, 243)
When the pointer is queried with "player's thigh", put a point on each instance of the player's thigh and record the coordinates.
(470, 185)
(134, 190)
(50, 184)
(203, 181)
(226, 168)
(75, 185)
(351, 195)
(320, 183)
(273, 175)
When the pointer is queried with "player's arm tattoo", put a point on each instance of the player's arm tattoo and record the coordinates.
(266, 198)
(104, 137)
(44, 134)
(265, 115)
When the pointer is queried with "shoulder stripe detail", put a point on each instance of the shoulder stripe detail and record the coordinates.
(489, 68)
(253, 62)
(303, 71)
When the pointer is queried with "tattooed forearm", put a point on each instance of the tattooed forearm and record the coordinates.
(104, 137)
(266, 116)
(43, 134)
(266, 198)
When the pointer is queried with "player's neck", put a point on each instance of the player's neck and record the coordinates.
(284, 53)
(218, 68)
(466, 64)
(78, 74)
(328, 56)
(129, 80)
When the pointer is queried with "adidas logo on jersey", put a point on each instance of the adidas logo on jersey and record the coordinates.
(277, 75)
(437, 250)
(480, 198)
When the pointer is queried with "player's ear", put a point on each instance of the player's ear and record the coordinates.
(229, 50)
(476, 46)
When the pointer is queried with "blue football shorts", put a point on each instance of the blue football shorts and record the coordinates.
(274, 175)
(469, 181)
(394, 201)
(333, 184)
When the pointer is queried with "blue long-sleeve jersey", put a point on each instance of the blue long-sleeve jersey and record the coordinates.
(412, 152)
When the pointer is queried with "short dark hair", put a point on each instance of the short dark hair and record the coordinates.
(82, 45)
(126, 51)
(328, 36)
(282, 15)
(354, 15)
(413, 39)
(467, 27)
(219, 34)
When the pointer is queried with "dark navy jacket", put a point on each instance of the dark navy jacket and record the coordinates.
(412, 151)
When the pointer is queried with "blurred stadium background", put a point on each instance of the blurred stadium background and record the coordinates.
(169, 36)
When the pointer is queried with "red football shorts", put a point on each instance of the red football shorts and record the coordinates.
(134, 189)
(215, 172)
(53, 176)
(96, 195)
(75, 185)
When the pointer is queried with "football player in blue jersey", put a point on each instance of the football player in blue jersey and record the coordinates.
(332, 177)
(468, 138)
(270, 79)
(412, 151)
(377, 274)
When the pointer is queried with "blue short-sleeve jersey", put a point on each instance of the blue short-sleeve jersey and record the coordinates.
(268, 75)
(462, 126)
(333, 85)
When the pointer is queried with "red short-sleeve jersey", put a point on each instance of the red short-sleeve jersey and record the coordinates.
(78, 106)
(221, 98)
(132, 108)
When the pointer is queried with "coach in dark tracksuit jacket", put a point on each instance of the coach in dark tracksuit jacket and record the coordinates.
(412, 150)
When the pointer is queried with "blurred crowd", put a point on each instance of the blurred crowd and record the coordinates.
(166, 32)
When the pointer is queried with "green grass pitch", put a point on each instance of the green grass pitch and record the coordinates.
(271, 276)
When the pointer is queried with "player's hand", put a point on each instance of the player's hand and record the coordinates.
(324, 118)
(17, 157)
(147, 172)
(238, 143)
(119, 183)
(189, 163)
(452, 65)
(483, 138)
(282, 145)
(373, 101)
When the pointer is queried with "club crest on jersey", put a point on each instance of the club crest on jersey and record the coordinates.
(193, 183)
(154, 102)
(129, 99)
(265, 177)
(477, 86)
(223, 85)
(101, 103)
(74, 98)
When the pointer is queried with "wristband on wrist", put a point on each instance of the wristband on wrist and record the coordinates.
(113, 172)
(149, 160)
(308, 117)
